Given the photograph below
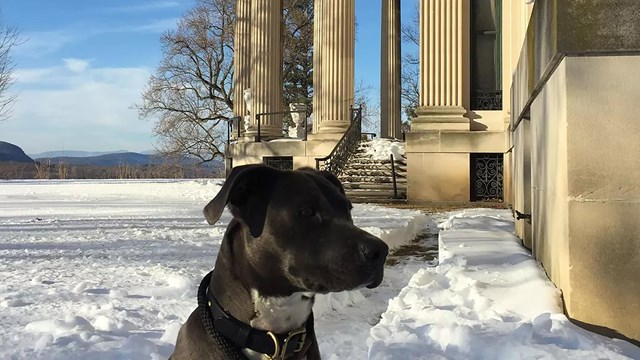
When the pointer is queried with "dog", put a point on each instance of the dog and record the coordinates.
(291, 237)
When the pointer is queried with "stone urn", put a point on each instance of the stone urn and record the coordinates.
(299, 117)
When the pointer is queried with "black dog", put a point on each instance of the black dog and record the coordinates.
(291, 237)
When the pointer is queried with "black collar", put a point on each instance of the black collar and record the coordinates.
(275, 346)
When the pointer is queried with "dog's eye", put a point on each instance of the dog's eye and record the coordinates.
(308, 212)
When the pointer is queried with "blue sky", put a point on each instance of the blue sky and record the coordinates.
(85, 62)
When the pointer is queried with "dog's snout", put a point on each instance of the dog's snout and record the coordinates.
(373, 251)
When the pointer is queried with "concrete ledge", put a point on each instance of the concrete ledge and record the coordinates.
(304, 153)
(457, 142)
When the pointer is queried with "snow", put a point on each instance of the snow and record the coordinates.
(486, 299)
(381, 149)
(108, 269)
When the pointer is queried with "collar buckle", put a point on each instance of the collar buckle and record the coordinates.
(281, 352)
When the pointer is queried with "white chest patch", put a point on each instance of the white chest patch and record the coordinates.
(281, 314)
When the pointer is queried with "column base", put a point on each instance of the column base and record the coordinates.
(333, 127)
(325, 136)
(440, 118)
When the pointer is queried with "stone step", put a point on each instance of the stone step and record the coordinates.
(365, 160)
(374, 197)
(386, 195)
(365, 172)
(374, 186)
(366, 200)
(369, 179)
(366, 178)
(381, 167)
(371, 173)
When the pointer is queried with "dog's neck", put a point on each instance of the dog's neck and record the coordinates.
(279, 314)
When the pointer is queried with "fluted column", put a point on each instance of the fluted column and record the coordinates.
(241, 56)
(317, 63)
(266, 66)
(441, 71)
(336, 58)
(390, 60)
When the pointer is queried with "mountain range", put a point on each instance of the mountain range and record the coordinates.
(13, 153)
(129, 158)
(72, 153)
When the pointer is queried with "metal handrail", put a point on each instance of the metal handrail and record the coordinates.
(230, 127)
(345, 147)
(306, 126)
(393, 175)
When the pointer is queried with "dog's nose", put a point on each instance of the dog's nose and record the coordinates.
(373, 251)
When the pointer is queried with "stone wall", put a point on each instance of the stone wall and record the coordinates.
(576, 156)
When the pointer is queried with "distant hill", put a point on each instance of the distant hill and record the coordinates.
(10, 152)
(73, 153)
(128, 158)
(115, 159)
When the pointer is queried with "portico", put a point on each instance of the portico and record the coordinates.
(258, 76)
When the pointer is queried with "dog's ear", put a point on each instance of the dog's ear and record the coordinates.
(327, 175)
(333, 179)
(247, 190)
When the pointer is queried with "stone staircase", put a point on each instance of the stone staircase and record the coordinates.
(369, 180)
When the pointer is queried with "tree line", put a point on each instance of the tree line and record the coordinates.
(47, 170)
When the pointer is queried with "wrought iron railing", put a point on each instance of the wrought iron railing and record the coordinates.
(346, 146)
(487, 100)
(231, 123)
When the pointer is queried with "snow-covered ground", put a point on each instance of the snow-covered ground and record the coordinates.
(487, 299)
(109, 269)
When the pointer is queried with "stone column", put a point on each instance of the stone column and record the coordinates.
(390, 60)
(441, 74)
(317, 63)
(336, 60)
(266, 66)
(241, 56)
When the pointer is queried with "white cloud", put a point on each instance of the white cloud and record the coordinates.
(27, 76)
(145, 7)
(84, 110)
(76, 65)
(39, 43)
(156, 26)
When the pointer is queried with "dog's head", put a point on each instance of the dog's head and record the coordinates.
(296, 226)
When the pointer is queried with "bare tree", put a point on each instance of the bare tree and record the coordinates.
(43, 169)
(411, 66)
(9, 39)
(63, 170)
(190, 94)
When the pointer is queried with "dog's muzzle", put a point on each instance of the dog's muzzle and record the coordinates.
(373, 253)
